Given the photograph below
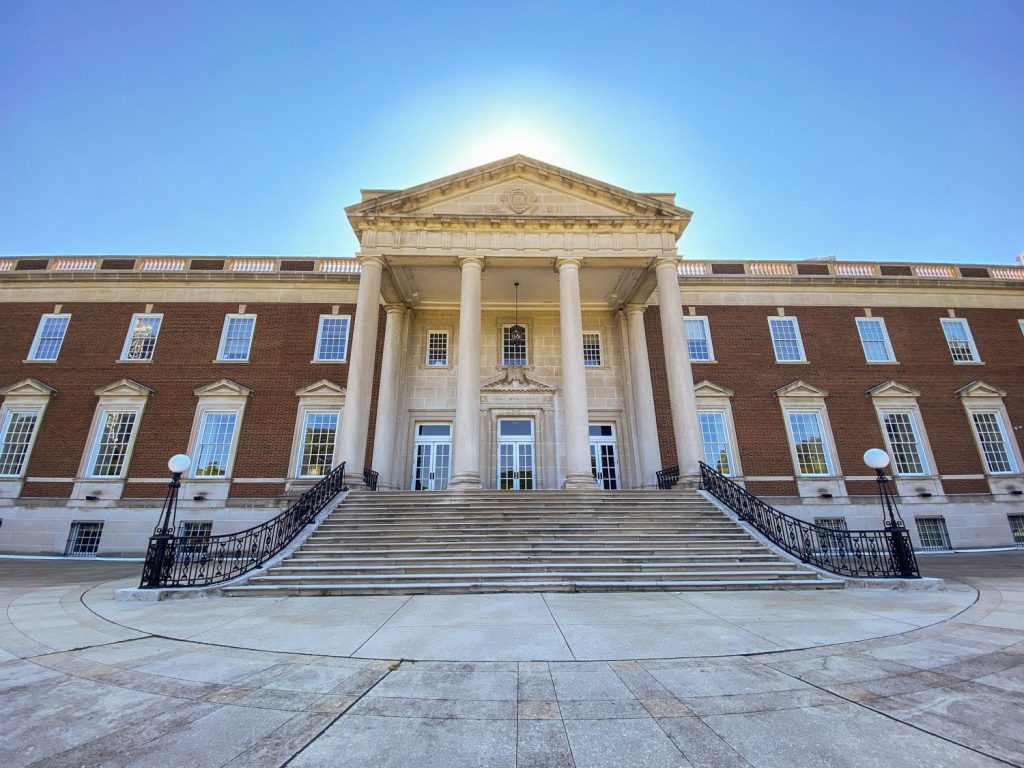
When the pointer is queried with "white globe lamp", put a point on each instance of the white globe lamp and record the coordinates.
(179, 463)
(876, 458)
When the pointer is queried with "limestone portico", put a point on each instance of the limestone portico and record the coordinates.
(461, 403)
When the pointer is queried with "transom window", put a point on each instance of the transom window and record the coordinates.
(513, 352)
(332, 338)
(591, 348)
(789, 347)
(140, 343)
(933, 533)
(698, 338)
(236, 338)
(715, 438)
(437, 348)
(874, 338)
(216, 437)
(49, 337)
(960, 340)
(995, 448)
(904, 443)
(18, 429)
(113, 441)
(809, 443)
(319, 434)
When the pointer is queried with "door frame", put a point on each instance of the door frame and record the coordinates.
(433, 441)
(516, 441)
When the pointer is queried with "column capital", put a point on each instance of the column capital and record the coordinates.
(667, 261)
(395, 308)
(633, 309)
(366, 259)
(568, 261)
(465, 261)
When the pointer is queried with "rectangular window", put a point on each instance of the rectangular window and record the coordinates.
(809, 442)
(236, 338)
(141, 340)
(874, 338)
(789, 347)
(18, 429)
(437, 348)
(904, 443)
(933, 533)
(698, 338)
(832, 538)
(113, 441)
(332, 338)
(715, 438)
(1017, 527)
(960, 341)
(591, 348)
(513, 352)
(83, 539)
(988, 426)
(49, 337)
(319, 433)
(195, 535)
(213, 451)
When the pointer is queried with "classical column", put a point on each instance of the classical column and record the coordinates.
(466, 448)
(387, 405)
(677, 367)
(645, 422)
(359, 389)
(578, 473)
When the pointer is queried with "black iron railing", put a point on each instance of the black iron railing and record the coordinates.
(877, 554)
(370, 478)
(200, 561)
(667, 478)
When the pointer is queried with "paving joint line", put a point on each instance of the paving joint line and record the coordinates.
(382, 625)
(544, 599)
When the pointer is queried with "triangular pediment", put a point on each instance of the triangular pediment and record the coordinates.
(28, 388)
(124, 388)
(893, 389)
(980, 389)
(222, 388)
(707, 388)
(800, 388)
(515, 187)
(322, 388)
(515, 379)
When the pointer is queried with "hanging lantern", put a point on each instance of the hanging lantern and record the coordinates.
(517, 334)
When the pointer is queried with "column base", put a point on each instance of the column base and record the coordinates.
(580, 481)
(465, 481)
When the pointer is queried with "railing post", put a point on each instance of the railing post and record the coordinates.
(901, 551)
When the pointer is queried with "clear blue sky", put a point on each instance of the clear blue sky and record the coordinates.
(869, 130)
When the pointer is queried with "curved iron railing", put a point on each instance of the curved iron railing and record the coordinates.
(877, 554)
(201, 561)
(667, 478)
(370, 478)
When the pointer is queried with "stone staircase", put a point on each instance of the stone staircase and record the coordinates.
(407, 542)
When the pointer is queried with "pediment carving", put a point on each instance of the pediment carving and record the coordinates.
(322, 388)
(124, 388)
(28, 388)
(980, 389)
(800, 388)
(222, 388)
(516, 379)
(707, 388)
(892, 389)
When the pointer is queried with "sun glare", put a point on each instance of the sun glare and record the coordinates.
(493, 142)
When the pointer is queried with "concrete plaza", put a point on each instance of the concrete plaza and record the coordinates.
(786, 678)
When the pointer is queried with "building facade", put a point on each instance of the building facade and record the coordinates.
(516, 326)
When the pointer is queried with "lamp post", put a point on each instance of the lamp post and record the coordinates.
(160, 543)
(878, 460)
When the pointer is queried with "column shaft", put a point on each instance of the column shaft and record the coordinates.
(646, 424)
(578, 473)
(677, 367)
(466, 448)
(387, 397)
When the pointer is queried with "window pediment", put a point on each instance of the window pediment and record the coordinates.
(124, 388)
(707, 388)
(28, 388)
(222, 388)
(801, 388)
(980, 389)
(515, 379)
(322, 388)
(893, 389)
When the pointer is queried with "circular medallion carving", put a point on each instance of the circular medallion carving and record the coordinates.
(519, 199)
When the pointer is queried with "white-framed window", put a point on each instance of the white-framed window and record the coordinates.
(84, 538)
(215, 444)
(714, 435)
(113, 443)
(332, 339)
(49, 337)
(809, 443)
(698, 338)
(512, 352)
(236, 338)
(437, 348)
(17, 434)
(874, 339)
(904, 440)
(786, 340)
(592, 349)
(992, 439)
(832, 539)
(195, 535)
(140, 343)
(959, 339)
(1017, 529)
(319, 437)
(933, 533)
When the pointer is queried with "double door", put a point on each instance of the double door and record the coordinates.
(516, 463)
(432, 457)
(604, 462)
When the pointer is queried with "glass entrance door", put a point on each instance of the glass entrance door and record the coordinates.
(603, 456)
(432, 457)
(515, 455)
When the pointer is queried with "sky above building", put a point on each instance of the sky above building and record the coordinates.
(869, 131)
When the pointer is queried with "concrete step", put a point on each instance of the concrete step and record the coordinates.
(781, 572)
(503, 567)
